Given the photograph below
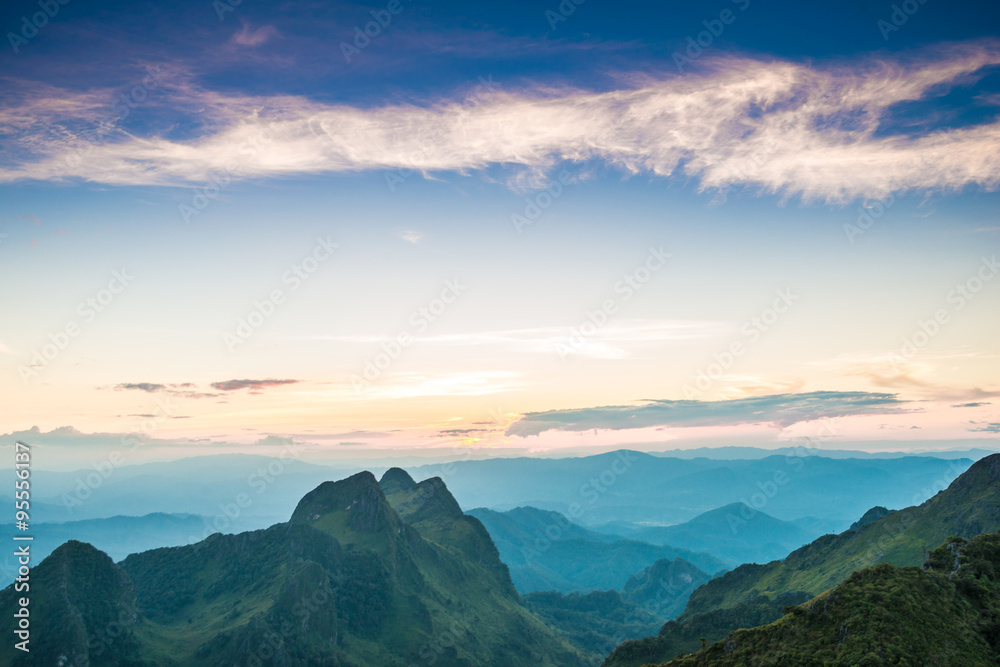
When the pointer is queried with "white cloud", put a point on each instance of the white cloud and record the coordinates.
(411, 236)
(781, 127)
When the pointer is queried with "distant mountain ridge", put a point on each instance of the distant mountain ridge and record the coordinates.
(736, 533)
(660, 490)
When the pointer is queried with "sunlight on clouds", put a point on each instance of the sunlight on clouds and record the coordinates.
(779, 126)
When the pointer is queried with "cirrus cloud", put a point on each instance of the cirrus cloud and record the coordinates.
(778, 126)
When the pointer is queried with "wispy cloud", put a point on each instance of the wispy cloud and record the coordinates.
(986, 428)
(614, 341)
(248, 37)
(780, 409)
(149, 387)
(411, 236)
(781, 127)
(253, 385)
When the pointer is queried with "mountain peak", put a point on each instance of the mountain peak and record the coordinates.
(874, 514)
(396, 479)
(355, 504)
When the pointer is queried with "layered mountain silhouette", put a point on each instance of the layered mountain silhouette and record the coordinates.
(756, 594)
(548, 552)
(736, 533)
(362, 574)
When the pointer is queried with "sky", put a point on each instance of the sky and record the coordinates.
(502, 227)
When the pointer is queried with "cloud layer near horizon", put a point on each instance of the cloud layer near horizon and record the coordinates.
(779, 409)
(781, 127)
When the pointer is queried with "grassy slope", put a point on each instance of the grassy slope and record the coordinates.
(885, 615)
(752, 594)
(971, 505)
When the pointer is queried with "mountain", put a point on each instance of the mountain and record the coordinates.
(874, 514)
(595, 622)
(969, 506)
(641, 488)
(664, 587)
(117, 536)
(945, 614)
(546, 551)
(598, 621)
(677, 638)
(736, 533)
(82, 611)
(948, 449)
(346, 581)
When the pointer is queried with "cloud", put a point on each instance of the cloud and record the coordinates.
(182, 390)
(977, 404)
(778, 409)
(614, 341)
(150, 387)
(357, 434)
(986, 428)
(248, 37)
(253, 385)
(4, 349)
(777, 126)
(351, 444)
(411, 236)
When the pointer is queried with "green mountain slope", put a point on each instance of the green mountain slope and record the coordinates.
(598, 621)
(736, 533)
(347, 581)
(664, 587)
(968, 507)
(546, 551)
(947, 614)
(83, 611)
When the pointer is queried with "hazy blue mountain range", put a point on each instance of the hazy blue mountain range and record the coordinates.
(117, 536)
(736, 533)
(640, 488)
(547, 552)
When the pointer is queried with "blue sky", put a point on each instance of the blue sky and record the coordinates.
(563, 210)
